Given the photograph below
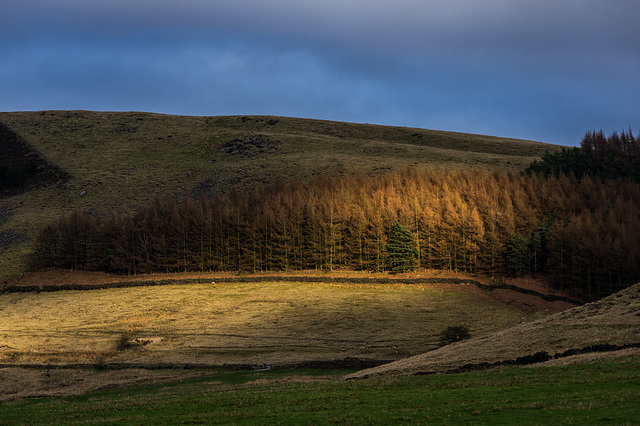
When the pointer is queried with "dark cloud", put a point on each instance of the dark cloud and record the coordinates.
(545, 70)
(467, 24)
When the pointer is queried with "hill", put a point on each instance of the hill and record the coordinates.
(119, 160)
(610, 323)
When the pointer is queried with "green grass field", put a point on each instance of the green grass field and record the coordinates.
(605, 393)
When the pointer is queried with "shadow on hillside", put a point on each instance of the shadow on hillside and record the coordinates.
(22, 167)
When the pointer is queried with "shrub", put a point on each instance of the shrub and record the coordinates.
(454, 333)
(123, 342)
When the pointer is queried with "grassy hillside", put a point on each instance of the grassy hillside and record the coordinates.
(613, 320)
(120, 160)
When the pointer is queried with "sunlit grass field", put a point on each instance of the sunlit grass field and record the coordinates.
(605, 393)
(273, 322)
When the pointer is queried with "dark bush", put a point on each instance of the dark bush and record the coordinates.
(454, 333)
(123, 342)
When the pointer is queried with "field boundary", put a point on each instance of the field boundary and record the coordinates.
(262, 279)
(345, 363)
(538, 357)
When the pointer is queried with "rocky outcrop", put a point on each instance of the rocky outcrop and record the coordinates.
(249, 145)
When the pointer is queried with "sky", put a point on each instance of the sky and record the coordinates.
(544, 70)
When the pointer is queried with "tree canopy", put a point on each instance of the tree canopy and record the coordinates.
(599, 156)
(582, 233)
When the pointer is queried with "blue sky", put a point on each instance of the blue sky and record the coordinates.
(546, 70)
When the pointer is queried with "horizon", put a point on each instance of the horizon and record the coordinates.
(280, 117)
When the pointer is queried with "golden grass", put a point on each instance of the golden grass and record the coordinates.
(238, 323)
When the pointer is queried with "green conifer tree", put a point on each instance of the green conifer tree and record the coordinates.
(519, 254)
(400, 246)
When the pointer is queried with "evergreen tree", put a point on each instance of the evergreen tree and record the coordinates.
(518, 254)
(568, 161)
(400, 247)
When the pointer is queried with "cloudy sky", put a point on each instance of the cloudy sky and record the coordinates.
(546, 70)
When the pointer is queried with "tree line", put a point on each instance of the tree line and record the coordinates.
(599, 156)
(581, 232)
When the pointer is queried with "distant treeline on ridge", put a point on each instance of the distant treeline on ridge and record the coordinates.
(599, 156)
(582, 232)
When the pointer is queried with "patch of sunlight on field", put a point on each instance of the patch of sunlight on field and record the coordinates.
(238, 322)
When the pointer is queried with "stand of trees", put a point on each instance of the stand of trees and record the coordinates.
(583, 232)
(599, 156)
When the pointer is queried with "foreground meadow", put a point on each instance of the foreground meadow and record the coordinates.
(600, 393)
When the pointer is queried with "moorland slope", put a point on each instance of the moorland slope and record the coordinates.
(609, 323)
(114, 161)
